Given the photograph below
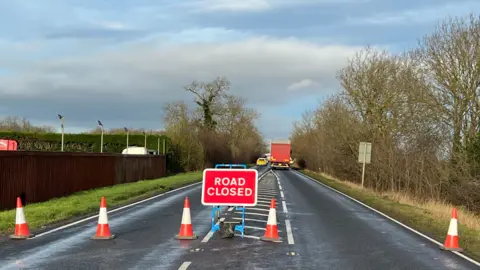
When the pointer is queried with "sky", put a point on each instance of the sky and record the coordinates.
(121, 61)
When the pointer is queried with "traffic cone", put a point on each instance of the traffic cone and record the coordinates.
(451, 242)
(271, 233)
(21, 226)
(103, 230)
(186, 230)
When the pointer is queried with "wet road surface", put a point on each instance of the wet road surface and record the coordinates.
(320, 229)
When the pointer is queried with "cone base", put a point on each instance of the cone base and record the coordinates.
(95, 237)
(271, 239)
(21, 237)
(180, 237)
(451, 249)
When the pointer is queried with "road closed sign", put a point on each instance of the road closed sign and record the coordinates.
(232, 187)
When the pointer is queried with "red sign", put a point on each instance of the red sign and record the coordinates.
(8, 145)
(231, 187)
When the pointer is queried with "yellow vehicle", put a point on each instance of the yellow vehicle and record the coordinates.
(262, 162)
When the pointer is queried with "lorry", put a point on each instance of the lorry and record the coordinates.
(280, 151)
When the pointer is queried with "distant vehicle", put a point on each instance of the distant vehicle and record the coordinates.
(137, 150)
(262, 162)
(8, 145)
(280, 151)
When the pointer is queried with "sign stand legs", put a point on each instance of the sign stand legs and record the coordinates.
(241, 227)
(215, 217)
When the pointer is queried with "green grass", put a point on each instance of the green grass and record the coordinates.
(421, 217)
(88, 202)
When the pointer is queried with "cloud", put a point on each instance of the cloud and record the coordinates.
(257, 5)
(305, 83)
(426, 14)
(129, 85)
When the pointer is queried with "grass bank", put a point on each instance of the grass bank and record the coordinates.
(82, 203)
(431, 217)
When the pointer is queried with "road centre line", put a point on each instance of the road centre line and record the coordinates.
(289, 232)
(210, 233)
(284, 205)
(282, 195)
(184, 266)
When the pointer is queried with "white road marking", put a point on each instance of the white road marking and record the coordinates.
(210, 233)
(248, 236)
(254, 214)
(284, 205)
(267, 193)
(282, 195)
(184, 266)
(265, 201)
(111, 211)
(388, 217)
(259, 209)
(265, 197)
(289, 232)
(254, 220)
(263, 204)
(267, 190)
(230, 209)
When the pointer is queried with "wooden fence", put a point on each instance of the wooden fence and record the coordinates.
(40, 176)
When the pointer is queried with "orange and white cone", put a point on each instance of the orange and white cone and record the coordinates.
(21, 226)
(103, 230)
(186, 229)
(271, 233)
(451, 242)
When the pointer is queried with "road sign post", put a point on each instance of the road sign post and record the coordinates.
(229, 187)
(364, 157)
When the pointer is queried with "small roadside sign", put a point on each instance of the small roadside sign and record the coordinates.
(234, 187)
(365, 152)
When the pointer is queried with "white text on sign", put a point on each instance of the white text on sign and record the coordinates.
(235, 187)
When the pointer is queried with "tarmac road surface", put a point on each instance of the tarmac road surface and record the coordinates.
(319, 229)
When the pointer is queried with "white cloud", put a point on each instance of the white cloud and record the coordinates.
(305, 83)
(423, 15)
(256, 5)
(130, 85)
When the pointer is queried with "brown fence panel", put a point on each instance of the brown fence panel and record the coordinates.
(40, 176)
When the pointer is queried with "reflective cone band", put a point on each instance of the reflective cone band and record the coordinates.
(451, 242)
(271, 232)
(103, 230)
(21, 226)
(186, 229)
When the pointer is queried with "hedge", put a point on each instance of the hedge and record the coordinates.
(112, 143)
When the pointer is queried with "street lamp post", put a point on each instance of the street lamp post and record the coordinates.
(101, 136)
(145, 144)
(62, 126)
(126, 130)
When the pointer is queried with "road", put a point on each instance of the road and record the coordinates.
(320, 229)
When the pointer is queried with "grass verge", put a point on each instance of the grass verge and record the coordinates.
(41, 214)
(431, 217)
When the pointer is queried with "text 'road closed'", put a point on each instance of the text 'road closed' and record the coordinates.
(233, 187)
(237, 187)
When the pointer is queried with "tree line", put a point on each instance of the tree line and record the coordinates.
(420, 110)
(219, 129)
